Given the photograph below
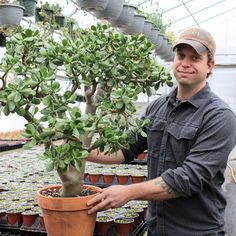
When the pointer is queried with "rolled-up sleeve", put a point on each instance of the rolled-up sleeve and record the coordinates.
(207, 157)
(137, 147)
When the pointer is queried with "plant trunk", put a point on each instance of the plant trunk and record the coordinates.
(72, 180)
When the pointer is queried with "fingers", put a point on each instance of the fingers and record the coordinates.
(111, 197)
(98, 203)
(96, 199)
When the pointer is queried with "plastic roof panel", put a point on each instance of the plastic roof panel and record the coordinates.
(187, 13)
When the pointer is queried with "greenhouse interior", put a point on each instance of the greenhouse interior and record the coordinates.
(118, 117)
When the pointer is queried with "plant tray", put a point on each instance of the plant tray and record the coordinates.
(6, 145)
(20, 178)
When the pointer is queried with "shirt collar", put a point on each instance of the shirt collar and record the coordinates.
(195, 100)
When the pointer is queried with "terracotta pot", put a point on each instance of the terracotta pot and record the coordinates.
(138, 179)
(134, 216)
(124, 229)
(108, 178)
(142, 156)
(14, 218)
(94, 178)
(103, 226)
(29, 219)
(141, 213)
(122, 179)
(2, 214)
(67, 216)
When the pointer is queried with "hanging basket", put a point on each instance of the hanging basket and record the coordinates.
(126, 17)
(29, 6)
(60, 21)
(10, 14)
(44, 15)
(169, 55)
(136, 27)
(147, 28)
(92, 5)
(163, 49)
(112, 10)
(155, 37)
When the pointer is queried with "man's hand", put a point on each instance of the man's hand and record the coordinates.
(112, 197)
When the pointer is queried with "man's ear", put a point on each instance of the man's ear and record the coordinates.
(211, 65)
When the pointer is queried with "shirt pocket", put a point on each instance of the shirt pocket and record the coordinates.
(154, 136)
(181, 139)
(181, 132)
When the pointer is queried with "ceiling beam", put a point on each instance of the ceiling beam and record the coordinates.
(203, 9)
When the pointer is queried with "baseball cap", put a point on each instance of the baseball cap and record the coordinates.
(198, 38)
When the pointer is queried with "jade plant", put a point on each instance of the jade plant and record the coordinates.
(109, 68)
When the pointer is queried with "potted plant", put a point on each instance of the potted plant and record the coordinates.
(58, 17)
(4, 33)
(2, 37)
(92, 5)
(93, 61)
(103, 224)
(29, 7)
(44, 13)
(124, 226)
(136, 26)
(126, 16)
(112, 10)
(10, 14)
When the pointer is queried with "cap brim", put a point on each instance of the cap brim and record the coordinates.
(198, 47)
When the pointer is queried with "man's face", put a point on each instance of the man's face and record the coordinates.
(190, 68)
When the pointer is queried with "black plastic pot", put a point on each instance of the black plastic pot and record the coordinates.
(29, 6)
(2, 40)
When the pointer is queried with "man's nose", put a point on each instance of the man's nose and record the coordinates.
(186, 62)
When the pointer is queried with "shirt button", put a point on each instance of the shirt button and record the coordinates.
(162, 170)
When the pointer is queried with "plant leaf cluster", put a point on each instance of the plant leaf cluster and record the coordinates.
(111, 69)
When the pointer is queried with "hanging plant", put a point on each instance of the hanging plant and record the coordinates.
(10, 14)
(58, 17)
(44, 13)
(29, 5)
(4, 33)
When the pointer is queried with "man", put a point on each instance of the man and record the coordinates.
(191, 134)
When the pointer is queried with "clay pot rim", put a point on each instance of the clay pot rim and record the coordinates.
(65, 203)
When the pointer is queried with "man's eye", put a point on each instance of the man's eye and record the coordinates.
(180, 56)
(195, 58)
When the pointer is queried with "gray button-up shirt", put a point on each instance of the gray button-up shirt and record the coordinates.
(188, 145)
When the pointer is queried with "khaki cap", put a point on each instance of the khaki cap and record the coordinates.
(198, 38)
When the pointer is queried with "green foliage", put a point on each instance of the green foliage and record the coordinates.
(111, 67)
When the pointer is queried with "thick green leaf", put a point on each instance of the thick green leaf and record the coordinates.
(30, 144)
(50, 166)
(6, 110)
(20, 111)
(47, 100)
(11, 106)
(119, 105)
